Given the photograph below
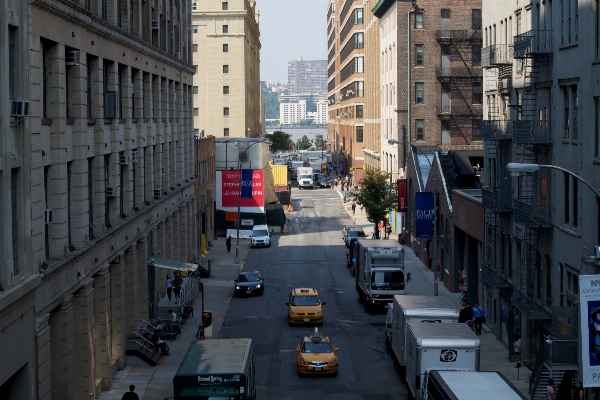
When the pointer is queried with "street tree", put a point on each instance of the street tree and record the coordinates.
(376, 195)
(281, 141)
(303, 143)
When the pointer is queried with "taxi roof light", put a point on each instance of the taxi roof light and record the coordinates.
(316, 336)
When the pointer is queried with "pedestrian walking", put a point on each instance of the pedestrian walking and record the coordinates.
(131, 395)
(579, 391)
(388, 230)
(169, 285)
(478, 318)
(517, 349)
(228, 243)
(177, 284)
(173, 324)
(353, 208)
(550, 390)
(466, 314)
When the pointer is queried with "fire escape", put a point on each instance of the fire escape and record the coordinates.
(460, 83)
(532, 211)
(496, 194)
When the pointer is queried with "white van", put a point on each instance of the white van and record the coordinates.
(260, 236)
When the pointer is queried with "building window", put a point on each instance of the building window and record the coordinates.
(195, 112)
(225, 89)
(597, 128)
(477, 96)
(359, 111)
(14, 206)
(418, 20)
(359, 134)
(419, 92)
(195, 89)
(475, 19)
(90, 192)
(597, 28)
(225, 48)
(194, 48)
(225, 69)
(567, 118)
(420, 129)
(358, 16)
(196, 132)
(575, 107)
(476, 50)
(195, 6)
(226, 111)
(12, 33)
(418, 55)
(543, 191)
(225, 28)
(225, 131)
(224, 5)
(567, 197)
(194, 28)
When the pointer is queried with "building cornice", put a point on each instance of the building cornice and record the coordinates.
(84, 18)
(381, 7)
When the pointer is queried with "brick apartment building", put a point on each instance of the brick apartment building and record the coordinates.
(101, 177)
(346, 90)
(431, 79)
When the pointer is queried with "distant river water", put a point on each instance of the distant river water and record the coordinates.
(297, 133)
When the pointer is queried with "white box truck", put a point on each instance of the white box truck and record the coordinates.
(438, 347)
(414, 309)
(470, 385)
(379, 272)
(305, 177)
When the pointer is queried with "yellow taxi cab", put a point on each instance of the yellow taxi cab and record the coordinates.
(317, 355)
(305, 307)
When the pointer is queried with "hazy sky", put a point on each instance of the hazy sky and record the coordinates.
(290, 29)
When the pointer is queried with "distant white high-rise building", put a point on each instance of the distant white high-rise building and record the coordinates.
(307, 76)
(292, 113)
(321, 117)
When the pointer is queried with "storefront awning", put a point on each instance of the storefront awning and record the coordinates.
(171, 264)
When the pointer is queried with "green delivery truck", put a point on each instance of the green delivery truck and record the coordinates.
(216, 369)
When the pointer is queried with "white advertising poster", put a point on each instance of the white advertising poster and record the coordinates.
(589, 308)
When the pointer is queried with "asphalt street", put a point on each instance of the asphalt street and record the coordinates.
(312, 254)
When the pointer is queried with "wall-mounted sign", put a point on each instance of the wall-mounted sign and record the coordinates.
(424, 215)
(247, 222)
(402, 196)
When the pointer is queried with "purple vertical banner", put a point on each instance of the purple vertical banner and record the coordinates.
(424, 217)
(246, 189)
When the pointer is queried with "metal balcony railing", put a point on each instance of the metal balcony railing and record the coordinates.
(497, 54)
(533, 132)
(475, 109)
(532, 215)
(474, 72)
(531, 309)
(496, 130)
(533, 43)
(494, 278)
(442, 35)
(560, 352)
(490, 199)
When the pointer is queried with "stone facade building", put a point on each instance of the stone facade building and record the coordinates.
(226, 53)
(540, 107)
(101, 176)
(346, 84)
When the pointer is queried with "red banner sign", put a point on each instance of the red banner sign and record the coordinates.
(230, 189)
(402, 196)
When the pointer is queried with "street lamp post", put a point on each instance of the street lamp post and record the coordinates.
(517, 169)
(435, 266)
(239, 215)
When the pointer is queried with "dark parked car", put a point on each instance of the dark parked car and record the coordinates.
(323, 182)
(249, 283)
(354, 232)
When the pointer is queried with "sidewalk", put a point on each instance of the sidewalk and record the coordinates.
(494, 354)
(156, 383)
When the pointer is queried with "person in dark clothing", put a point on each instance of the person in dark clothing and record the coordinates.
(465, 314)
(228, 244)
(159, 343)
(131, 394)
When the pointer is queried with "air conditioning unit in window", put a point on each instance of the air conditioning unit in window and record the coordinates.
(19, 108)
(133, 156)
(194, 6)
(48, 215)
(155, 21)
(124, 160)
(110, 191)
(111, 105)
(72, 57)
(178, 55)
(157, 193)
